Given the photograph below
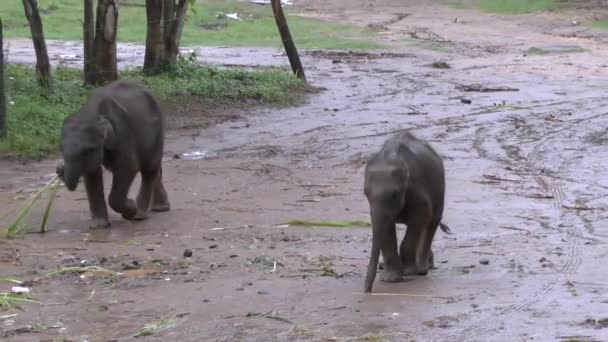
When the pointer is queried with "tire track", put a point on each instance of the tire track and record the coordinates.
(572, 234)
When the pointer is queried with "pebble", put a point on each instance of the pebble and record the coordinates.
(187, 253)
(484, 261)
(262, 292)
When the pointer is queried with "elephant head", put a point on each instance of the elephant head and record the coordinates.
(83, 140)
(385, 188)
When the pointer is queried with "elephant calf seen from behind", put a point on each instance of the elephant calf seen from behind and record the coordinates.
(404, 183)
(121, 127)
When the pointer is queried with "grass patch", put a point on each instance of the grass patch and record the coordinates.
(62, 19)
(13, 300)
(601, 24)
(536, 51)
(35, 121)
(158, 326)
(509, 6)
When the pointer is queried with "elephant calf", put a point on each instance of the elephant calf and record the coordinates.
(404, 183)
(121, 127)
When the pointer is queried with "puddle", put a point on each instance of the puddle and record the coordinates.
(195, 155)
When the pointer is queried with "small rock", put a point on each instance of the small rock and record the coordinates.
(240, 289)
(484, 261)
(187, 253)
(233, 255)
(212, 246)
(466, 101)
(205, 300)
(262, 292)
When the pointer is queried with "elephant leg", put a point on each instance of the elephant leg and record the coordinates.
(160, 202)
(144, 198)
(417, 224)
(431, 260)
(119, 201)
(392, 262)
(407, 251)
(93, 183)
(425, 255)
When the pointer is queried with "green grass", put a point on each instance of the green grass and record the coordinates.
(34, 122)
(509, 6)
(62, 19)
(601, 24)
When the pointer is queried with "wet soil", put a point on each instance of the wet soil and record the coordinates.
(527, 193)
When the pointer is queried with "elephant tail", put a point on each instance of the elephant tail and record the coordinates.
(373, 265)
(445, 228)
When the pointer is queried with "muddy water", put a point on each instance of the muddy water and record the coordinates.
(526, 200)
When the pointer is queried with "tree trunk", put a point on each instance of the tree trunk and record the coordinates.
(165, 26)
(105, 42)
(43, 67)
(154, 36)
(288, 43)
(2, 91)
(174, 36)
(88, 28)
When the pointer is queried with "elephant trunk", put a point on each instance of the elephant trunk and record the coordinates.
(379, 232)
(373, 263)
(71, 174)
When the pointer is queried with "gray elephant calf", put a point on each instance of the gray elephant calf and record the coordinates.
(121, 127)
(404, 183)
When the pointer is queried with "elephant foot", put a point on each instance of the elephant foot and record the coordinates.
(140, 215)
(410, 270)
(391, 276)
(98, 223)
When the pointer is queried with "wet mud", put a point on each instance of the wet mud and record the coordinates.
(527, 194)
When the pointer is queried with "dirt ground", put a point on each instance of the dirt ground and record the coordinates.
(527, 193)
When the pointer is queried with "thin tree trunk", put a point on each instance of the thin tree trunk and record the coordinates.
(2, 91)
(288, 43)
(88, 28)
(154, 36)
(105, 42)
(168, 19)
(43, 67)
(175, 35)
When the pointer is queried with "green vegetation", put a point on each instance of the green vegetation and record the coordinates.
(509, 6)
(62, 19)
(536, 51)
(601, 24)
(35, 121)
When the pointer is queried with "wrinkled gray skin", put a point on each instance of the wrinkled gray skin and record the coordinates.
(404, 183)
(122, 128)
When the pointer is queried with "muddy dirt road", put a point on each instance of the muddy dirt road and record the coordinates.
(527, 193)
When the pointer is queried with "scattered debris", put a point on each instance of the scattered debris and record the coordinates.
(269, 315)
(20, 290)
(328, 223)
(483, 89)
(267, 2)
(440, 65)
(228, 228)
(595, 323)
(158, 326)
(86, 269)
(232, 16)
(10, 280)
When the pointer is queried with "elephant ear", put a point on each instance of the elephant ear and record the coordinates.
(104, 125)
